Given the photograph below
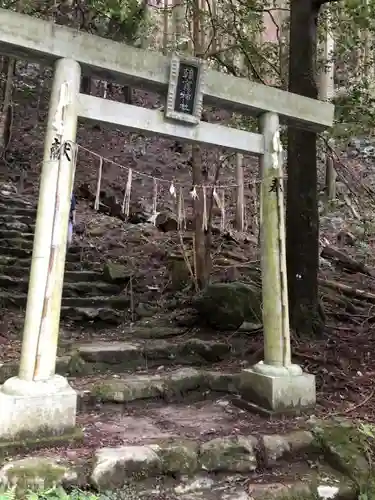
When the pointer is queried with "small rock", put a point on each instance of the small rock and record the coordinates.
(98, 231)
(166, 222)
(84, 191)
(346, 238)
(197, 484)
(185, 317)
(274, 447)
(115, 273)
(229, 454)
(80, 228)
(145, 310)
(113, 467)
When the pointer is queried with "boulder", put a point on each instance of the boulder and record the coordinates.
(115, 273)
(225, 306)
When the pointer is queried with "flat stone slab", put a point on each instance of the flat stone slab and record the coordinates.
(8, 260)
(88, 303)
(177, 451)
(12, 201)
(23, 253)
(23, 211)
(15, 271)
(75, 289)
(94, 314)
(10, 217)
(9, 234)
(147, 354)
(14, 225)
(171, 385)
(114, 467)
(18, 243)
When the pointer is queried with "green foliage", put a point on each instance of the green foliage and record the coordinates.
(120, 20)
(51, 494)
(124, 19)
(353, 26)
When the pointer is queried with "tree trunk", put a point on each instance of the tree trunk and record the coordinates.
(240, 196)
(165, 27)
(326, 93)
(128, 94)
(178, 19)
(6, 115)
(202, 238)
(302, 227)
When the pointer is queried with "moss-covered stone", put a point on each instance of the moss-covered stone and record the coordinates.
(225, 306)
(130, 389)
(183, 381)
(28, 441)
(345, 448)
(177, 457)
(233, 454)
(115, 273)
(173, 385)
(35, 473)
(74, 365)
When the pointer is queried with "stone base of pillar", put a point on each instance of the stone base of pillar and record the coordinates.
(34, 410)
(275, 390)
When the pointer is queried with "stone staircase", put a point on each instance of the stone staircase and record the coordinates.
(160, 420)
(160, 410)
(86, 294)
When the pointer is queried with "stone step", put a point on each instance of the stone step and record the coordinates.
(18, 243)
(117, 356)
(11, 235)
(169, 385)
(9, 260)
(119, 302)
(23, 219)
(74, 254)
(14, 225)
(15, 271)
(75, 289)
(14, 210)
(16, 201)
(105, 315)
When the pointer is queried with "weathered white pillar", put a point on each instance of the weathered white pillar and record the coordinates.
(273, 255)
(275, 384)
(38, 398)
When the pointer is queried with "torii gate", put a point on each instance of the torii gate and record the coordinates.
(39, 401)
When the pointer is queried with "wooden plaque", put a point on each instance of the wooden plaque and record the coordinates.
(185, 91)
